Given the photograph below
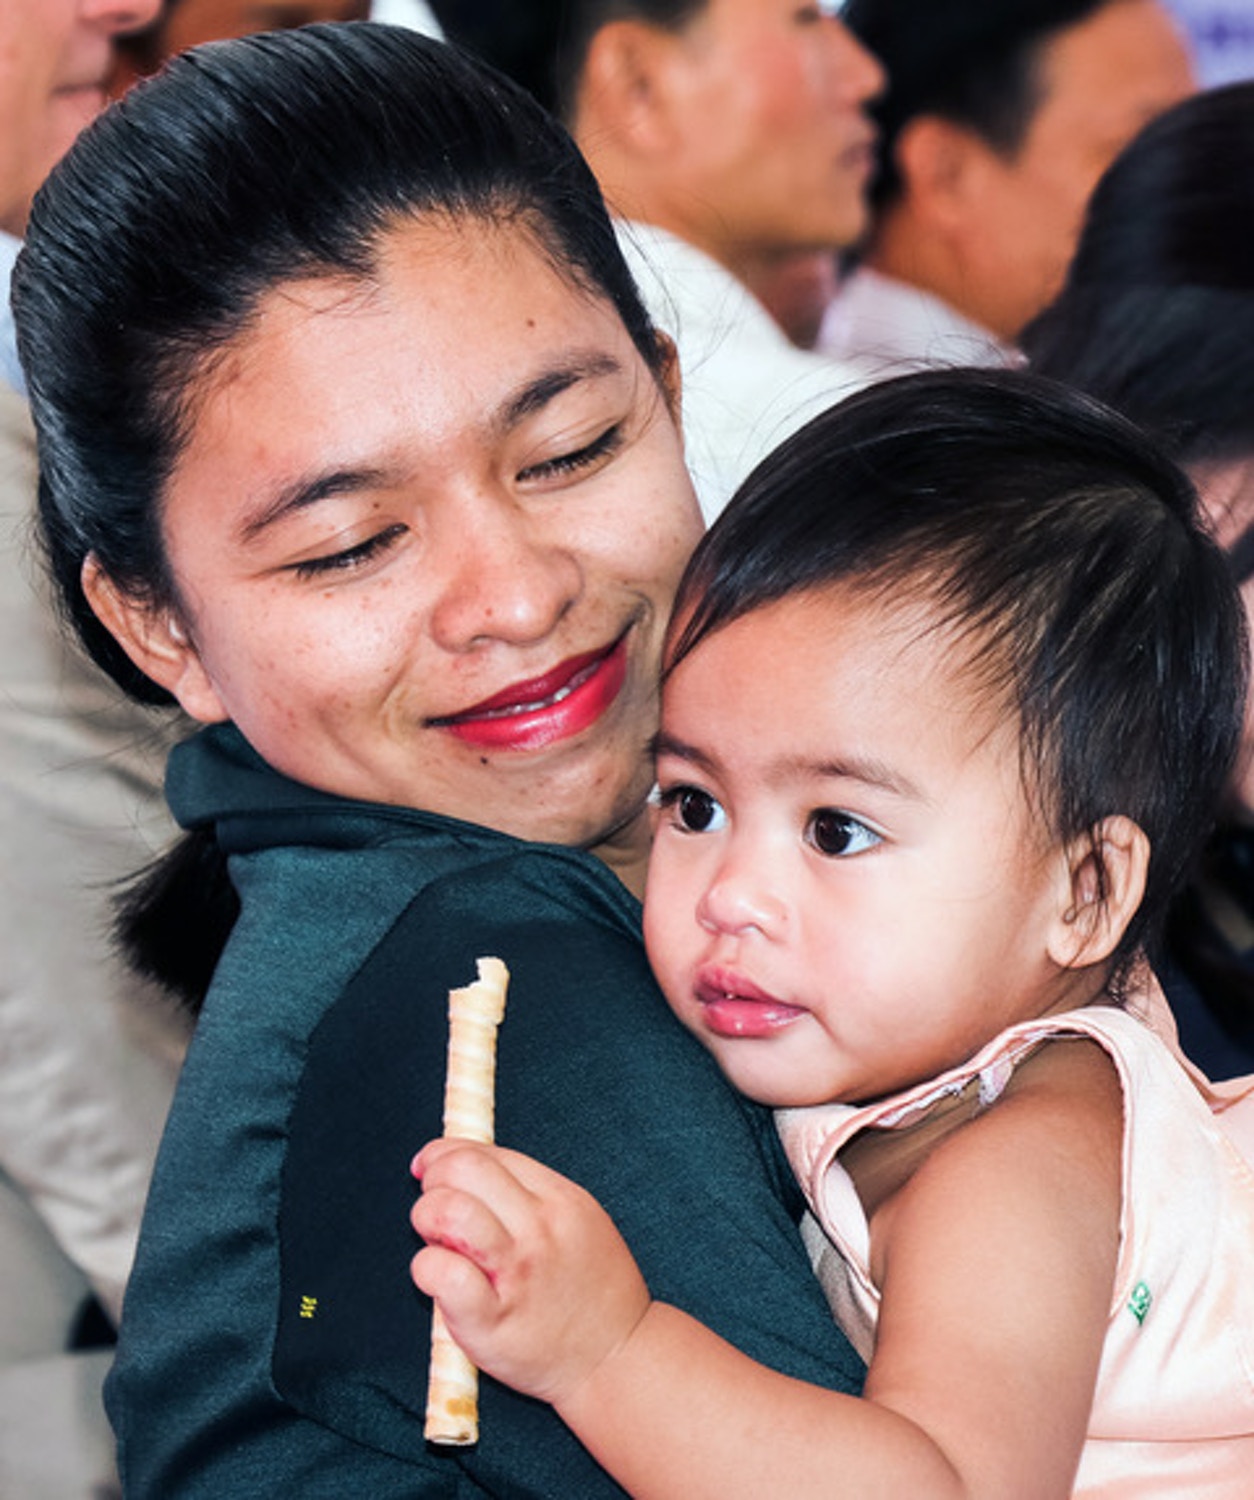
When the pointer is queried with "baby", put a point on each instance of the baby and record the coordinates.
(952, 691)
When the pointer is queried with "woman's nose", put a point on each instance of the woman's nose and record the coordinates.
(502, 580)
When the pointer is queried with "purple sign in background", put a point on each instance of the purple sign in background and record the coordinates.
(1222, 33)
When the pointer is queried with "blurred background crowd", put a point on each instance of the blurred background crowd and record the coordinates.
(905, 183)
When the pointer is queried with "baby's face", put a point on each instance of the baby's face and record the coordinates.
(850, 889)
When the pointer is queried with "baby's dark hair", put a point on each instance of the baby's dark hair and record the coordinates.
(1061, 545)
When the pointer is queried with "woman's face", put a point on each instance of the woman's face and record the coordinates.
(425, 536)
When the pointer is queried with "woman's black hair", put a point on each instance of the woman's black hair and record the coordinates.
(1063, 548)
(1157, 314)
(240, 167)
(244, 165)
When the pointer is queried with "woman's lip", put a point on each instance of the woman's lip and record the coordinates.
(562, 703)
(520, 695)
(735, 1007)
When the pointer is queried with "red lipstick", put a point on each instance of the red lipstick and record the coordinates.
(556, 706)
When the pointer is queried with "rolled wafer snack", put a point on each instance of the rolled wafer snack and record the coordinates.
(474, 1013)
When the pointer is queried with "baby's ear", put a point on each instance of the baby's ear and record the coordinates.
(1105, 882)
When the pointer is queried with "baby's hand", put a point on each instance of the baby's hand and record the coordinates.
(535, 1282)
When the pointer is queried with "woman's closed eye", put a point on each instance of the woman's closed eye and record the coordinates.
(562, 465)
(836, 834)
(692, 810)
(349, 557)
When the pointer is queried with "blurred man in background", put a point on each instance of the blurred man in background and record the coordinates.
(187, 23)
(731, 140)
(998, 119)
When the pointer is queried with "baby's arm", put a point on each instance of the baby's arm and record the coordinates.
(996, 1262)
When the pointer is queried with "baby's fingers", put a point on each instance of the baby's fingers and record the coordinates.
(454, 1154)
(455, 1282)
(464, 1239)
(461, 1222)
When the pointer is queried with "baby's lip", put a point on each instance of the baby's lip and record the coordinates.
(732, 1005)
(717, 982)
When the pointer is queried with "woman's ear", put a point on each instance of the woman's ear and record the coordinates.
(670, 377)
(1104, 884)
(157, 642)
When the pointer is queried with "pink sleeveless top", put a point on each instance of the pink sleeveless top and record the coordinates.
(1173, 1413)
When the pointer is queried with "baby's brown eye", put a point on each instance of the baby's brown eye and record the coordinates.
(688, 809)
(835, 833)
(697, 810)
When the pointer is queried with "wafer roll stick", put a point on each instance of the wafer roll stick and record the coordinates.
(474, 1013)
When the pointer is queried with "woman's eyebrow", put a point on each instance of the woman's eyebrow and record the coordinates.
(530, 398)
(538, 392)
(304, 492)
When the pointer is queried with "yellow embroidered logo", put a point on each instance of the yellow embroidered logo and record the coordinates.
(308, 1306)
(1139, 1302)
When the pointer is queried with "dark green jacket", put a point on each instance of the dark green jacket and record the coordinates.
(272, 1343)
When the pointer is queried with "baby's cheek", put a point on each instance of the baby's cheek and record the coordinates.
(663, 935)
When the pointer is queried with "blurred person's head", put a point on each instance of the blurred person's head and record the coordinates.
(999, 118)
(186, 23)
(738, 125)
(1157, 314)
(55, 59)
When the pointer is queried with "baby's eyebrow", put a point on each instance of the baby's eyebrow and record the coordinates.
(864, 769)
(670, 744)
(867, 770)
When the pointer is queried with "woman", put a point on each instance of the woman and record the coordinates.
(1157, 319)
(357, 442)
